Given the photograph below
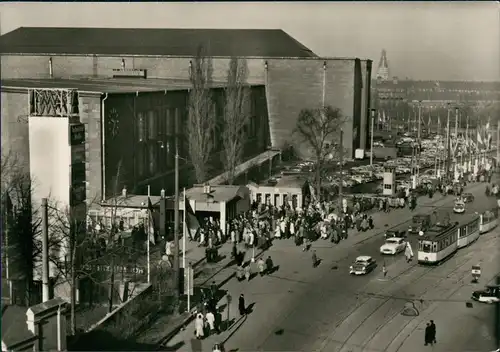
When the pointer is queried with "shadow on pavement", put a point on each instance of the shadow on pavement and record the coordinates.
(104, 341)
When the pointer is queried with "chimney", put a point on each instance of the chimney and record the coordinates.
(124, 191)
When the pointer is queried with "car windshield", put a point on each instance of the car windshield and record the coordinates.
(418, 219)
(390, 234)
(392, 241)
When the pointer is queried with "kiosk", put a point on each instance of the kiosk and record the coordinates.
(389, 181)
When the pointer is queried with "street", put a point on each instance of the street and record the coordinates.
(301, 308)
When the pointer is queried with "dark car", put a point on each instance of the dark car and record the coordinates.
(468, 197)
(489, 295)
(420, 222)
(399, 233)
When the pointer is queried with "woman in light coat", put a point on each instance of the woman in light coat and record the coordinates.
(199, 325)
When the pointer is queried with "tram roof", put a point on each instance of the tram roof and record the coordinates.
(467, 218)
(437, 231)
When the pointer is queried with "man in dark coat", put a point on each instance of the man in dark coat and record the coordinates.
(432, 331)
(427, 335)
(241, 305)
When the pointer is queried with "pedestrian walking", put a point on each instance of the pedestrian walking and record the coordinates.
(384, 270)
(248, 272)
(199, 325)
(210, 317)
(314, 258)
(241, 304)
(432, 331)
(269, 265)
(408, 252)
(427, 336)
(261, 266)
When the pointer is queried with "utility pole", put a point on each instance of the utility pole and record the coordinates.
(341, 179)
(176, 210)
(371, 137)
(498, 144)
(45, 251)
(455, 148)
(418, 137)
(448, 149)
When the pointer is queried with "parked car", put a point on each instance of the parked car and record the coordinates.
(362, 265)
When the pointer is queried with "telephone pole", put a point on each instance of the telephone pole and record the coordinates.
(418, 137)
(341, 179)
(448, 149)
(45, 251)
(177, 280)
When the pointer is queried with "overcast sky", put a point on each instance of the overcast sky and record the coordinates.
(447, 40)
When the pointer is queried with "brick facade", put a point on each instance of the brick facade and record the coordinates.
(291, 85)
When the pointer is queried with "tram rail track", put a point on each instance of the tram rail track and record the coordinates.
(383, 296)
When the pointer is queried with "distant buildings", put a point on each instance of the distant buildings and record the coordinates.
(398, 97)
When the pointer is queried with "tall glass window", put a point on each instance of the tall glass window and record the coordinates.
(140, 160)
(170, 122)
(140, 127)
(152, 159)
(152, 125)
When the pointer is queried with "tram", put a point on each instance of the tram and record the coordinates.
(438, 243)
(468, 230)
(489, 220)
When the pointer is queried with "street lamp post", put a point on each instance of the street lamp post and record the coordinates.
(418, 137)
(341, 178)
(371, 137)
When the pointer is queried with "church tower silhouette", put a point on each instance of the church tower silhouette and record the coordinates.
(383, 67)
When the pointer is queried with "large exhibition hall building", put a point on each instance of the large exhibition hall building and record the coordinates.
(81, 101)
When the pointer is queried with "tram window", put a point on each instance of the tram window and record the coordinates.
(426, 247)
(435, 247)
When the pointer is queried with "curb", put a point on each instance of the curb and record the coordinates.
(182, 325)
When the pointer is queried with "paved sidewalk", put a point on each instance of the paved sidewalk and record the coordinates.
(290, 258)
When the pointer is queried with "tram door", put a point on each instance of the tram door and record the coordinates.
(295, 201)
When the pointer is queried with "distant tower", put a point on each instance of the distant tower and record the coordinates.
(383, 67)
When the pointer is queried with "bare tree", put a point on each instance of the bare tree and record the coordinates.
(20, 226)
(201, 115)
(320, 128)
(236, 116)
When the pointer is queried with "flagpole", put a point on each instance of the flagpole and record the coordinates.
(147, 241)
(184, 231)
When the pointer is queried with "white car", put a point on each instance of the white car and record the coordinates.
(393, 245)
(459, 207)
(362, 265)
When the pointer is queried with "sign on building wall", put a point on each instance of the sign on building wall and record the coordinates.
(76, 133)
(78, 176)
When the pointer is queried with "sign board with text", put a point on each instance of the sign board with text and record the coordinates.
(76, 133)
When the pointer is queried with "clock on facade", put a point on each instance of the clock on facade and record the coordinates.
(113, 122)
